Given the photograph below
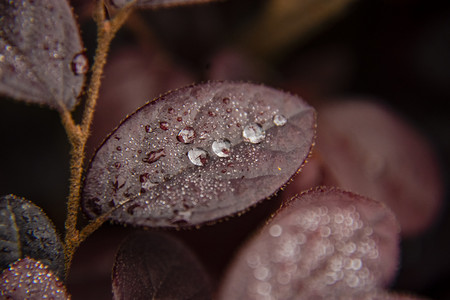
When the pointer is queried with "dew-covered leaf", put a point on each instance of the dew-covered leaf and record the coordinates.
(199, 154)
(156, 266)
(325, 242)
(41, 59)
(154, 4)
(25, 231)
(31, 279)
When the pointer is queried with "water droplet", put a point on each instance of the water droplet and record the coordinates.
(179, 119)
(164, 125)
(148, 128)
(154, 156)
(211, 114)
(198, 156)
(186, 135)
(253, 133)
(170, 110)
(80, 64)
(279, 120)
(221, 148)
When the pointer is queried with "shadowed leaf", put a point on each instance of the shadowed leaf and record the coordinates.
(199, 154)
(26, 231)
(30, 279)
(323, 244)
(41, 58)
(156, 266)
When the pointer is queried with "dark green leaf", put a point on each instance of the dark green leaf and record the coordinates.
(26, 231)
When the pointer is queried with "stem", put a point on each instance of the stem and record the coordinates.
(78, 134)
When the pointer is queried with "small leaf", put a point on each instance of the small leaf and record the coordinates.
(324, 242)
(156, 266)
(30, 279)
(154, 4)
(198, 154)
(41, 58)
(26, 231)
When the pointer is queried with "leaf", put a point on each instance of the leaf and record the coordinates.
(25, 231)
(154, 4)
(371, 150)
(197, 154)
(324, 242)
(41, 58)
(156, 266)
(30, 279)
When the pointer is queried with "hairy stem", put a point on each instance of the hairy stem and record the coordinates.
(78, 134)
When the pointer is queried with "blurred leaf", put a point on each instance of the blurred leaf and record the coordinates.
(41, 58)
(25, 230)
(324, 244)
(371, 150)
(199, 154)
(156, 266)
(30, 279)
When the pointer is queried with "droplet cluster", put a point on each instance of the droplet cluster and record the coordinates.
(313, 250)
(196, 153)
(30, 279)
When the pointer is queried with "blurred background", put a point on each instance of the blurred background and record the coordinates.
(396, 51)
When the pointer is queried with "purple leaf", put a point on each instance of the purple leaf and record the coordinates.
(156, 266)
(25, 230)
(153, 171)
(30, 279)
(368, 149)
(322, 243)
(41, 58)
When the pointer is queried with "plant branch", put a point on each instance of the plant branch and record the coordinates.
(78, 134)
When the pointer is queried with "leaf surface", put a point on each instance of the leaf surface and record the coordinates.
(41, 58)
(30, 279)
(199, 154)
(156, 266)
(325, 243)
(26, 231)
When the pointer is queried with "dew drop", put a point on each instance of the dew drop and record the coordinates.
(154, 156)
(164, 125)
(279, 120)
(186, 135)
(148, 128)
(221, 147)
(198, 156)
(226, 100)
(253, 133)
(80, 64)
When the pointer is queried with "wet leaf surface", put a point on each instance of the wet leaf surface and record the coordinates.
(30, 279)
(157, 266)
(155, 172)
(323, 244)
(41, 58)
(25, 231)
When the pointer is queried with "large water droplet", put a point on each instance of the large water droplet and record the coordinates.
(221, 148)
(279, 120)
(198, 156)
(186, 135)
(253, 133)
(80, 64)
